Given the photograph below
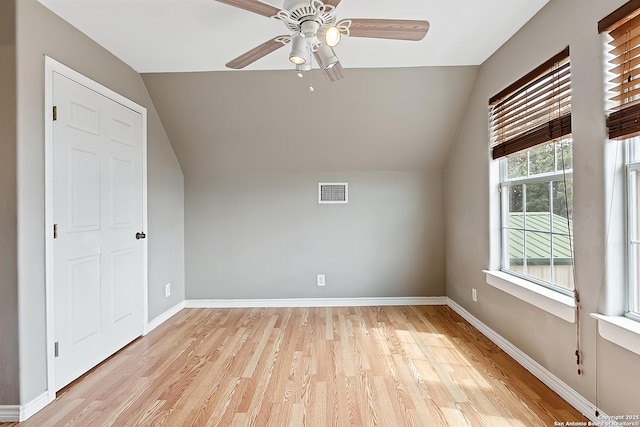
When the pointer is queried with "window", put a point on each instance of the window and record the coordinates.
(530, 124)
(537, 195)
(622, 32)
(633, 226)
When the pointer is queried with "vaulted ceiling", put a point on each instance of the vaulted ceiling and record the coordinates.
(396, 108)
(269, 122)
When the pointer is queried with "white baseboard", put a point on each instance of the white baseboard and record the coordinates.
(34, 406)
(574, 398)
(159, 320)
(9, 413)
(313, 302)
(19, 413)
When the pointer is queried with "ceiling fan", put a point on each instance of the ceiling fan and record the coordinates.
(315, 31)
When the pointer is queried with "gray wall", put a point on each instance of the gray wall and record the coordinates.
(266, 236)
(254, 146)
(40, 32)
(9, 387)
(473, 208)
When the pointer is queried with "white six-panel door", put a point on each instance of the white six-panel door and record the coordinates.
(97, 211)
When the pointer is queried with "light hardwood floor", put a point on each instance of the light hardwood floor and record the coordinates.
(352, 366)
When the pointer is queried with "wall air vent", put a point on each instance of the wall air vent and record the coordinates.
(333, 192)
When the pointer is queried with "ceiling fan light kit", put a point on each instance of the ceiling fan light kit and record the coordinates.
(314, 29)
(299, 49)
(302, 68)
(328, 58)
(332, 36)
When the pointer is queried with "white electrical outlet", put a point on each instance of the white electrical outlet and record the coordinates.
(167, 290)
(474, 295)
(320, 279)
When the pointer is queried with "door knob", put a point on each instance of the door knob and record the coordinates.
(140, 235)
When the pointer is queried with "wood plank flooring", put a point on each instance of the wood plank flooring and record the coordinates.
(346, 366)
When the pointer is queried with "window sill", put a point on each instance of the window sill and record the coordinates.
(619, 330)
(559, 305)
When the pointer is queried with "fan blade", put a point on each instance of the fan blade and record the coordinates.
(334, 73)
(333, 3)
(255, 6)
(397, 29)
(258, 52)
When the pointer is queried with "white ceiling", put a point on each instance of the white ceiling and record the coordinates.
(202, 35)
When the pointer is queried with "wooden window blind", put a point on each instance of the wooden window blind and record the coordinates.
(623, 29)
(533, 110)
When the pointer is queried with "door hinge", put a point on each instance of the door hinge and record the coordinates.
(55, 231)
(55, 113)
(55, 349)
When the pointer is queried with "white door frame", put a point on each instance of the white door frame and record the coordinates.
(51, 66)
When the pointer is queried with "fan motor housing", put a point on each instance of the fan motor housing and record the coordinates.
(307, 16)
(309, 28)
